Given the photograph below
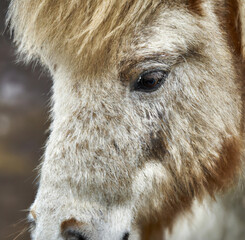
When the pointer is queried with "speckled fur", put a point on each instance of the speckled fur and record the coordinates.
(118, 160)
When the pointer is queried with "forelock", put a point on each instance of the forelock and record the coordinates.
(87, 32)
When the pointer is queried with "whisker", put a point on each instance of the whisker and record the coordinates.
(19, 222)
(23, 224)
(21, 233)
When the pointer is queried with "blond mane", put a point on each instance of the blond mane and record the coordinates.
(83, 30)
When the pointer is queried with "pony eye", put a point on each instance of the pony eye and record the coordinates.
(150, 81)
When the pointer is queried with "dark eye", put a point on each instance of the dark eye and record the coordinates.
(150, 81)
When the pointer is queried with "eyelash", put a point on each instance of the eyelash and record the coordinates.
(150, 81)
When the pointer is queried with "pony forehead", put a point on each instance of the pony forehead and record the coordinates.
(86, 33)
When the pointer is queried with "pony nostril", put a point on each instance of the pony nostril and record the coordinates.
(72, 230)
(125, 236)
(74, 235)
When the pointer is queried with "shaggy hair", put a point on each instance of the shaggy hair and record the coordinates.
(85, 31)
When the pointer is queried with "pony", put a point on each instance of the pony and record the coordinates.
(147, 111)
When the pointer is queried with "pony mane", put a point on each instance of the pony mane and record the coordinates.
(85, 30)
(82, 34)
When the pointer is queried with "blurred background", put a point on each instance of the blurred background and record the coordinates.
(24, 99)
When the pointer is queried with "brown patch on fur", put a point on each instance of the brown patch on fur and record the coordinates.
(242, 74)
(152, 231)
(55, 67)
(223, 174)
(157, 149)
(34, 215)
(216, 175)
(228, 14)
(70, 224)
(195, 6)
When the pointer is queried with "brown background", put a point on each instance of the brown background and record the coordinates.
(24, 98)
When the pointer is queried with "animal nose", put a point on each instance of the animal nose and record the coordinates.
(125, 236)
(70, 230)
(74, 235)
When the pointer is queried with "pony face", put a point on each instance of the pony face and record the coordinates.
(146, 113)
